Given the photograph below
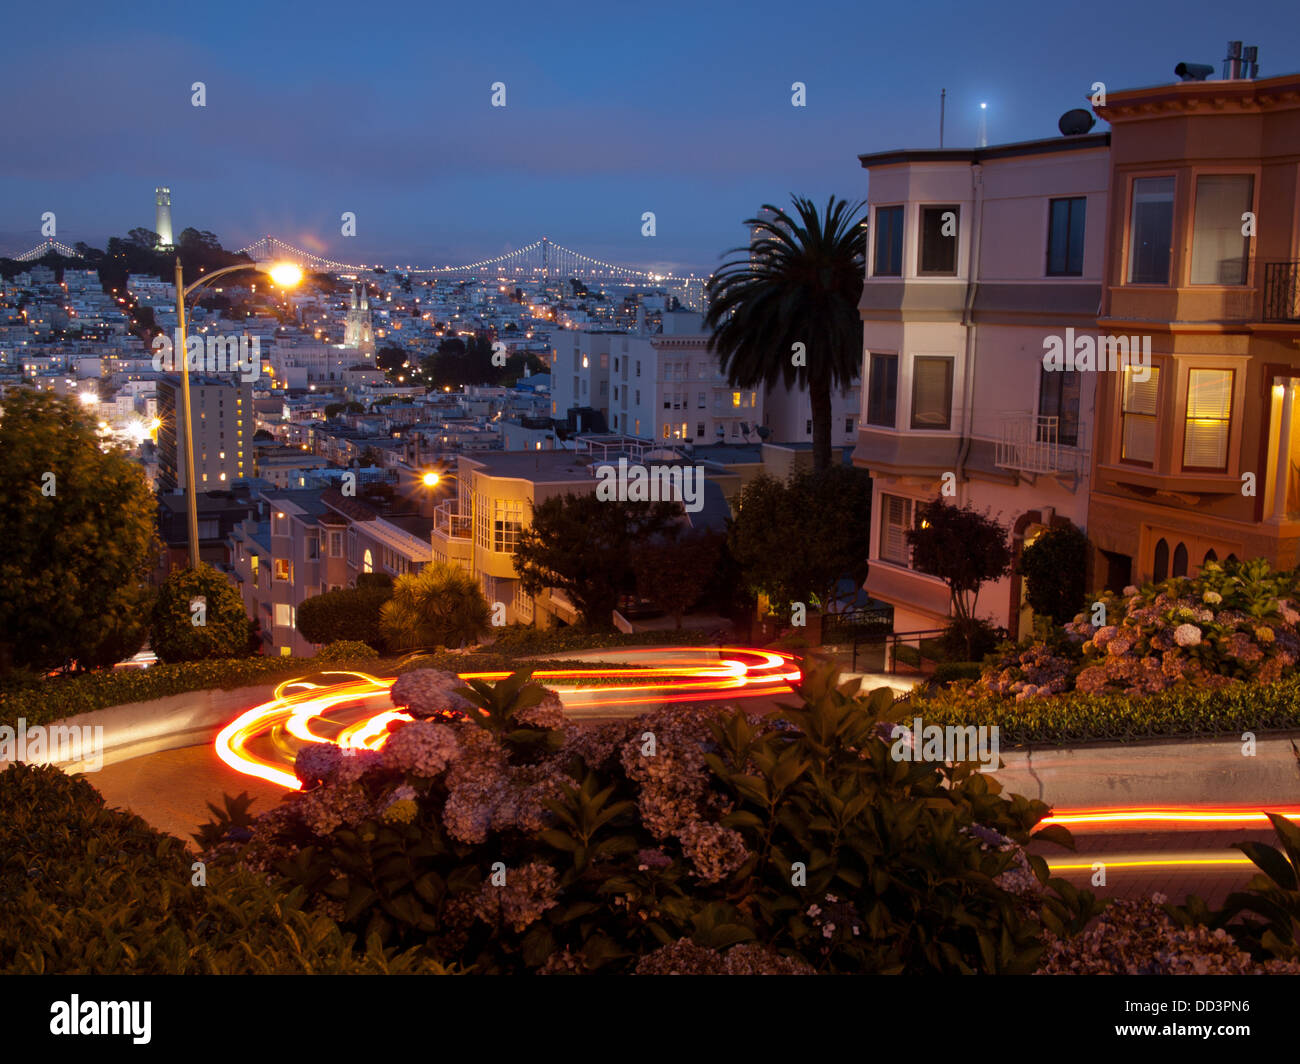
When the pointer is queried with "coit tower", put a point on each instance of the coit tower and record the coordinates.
(163, 219)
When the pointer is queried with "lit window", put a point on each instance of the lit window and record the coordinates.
(1209, 419)
(895, 521)
(1138, 413)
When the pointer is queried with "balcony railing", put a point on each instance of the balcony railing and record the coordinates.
(1031, 443)
(1282, 291)
(450, 524)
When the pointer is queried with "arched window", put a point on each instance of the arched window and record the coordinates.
(1231, 559)
(1210, 556)
(368, 562)
(1180, 560)
(1162, 561)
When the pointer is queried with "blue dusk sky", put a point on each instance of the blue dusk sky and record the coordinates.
(683, 109)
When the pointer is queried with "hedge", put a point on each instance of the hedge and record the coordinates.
(56, 698)
(1077, 717)
(94, 891)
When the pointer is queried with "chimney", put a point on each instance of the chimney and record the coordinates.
(1240, 62)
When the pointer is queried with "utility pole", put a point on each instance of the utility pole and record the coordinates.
(942, 95)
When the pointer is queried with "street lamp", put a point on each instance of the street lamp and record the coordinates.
(286, 275)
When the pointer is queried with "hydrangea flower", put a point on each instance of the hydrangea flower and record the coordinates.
(429, 693)
(1187, 635)
(1211, 598)
(316, 763)
(421, 747)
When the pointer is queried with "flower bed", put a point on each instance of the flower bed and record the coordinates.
(1229, 624)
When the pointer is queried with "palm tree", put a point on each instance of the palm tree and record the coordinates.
(441, 605)
(798, 283)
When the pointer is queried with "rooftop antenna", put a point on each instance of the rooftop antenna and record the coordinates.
(942, 96)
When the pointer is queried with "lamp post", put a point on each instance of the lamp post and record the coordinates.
(284, 274)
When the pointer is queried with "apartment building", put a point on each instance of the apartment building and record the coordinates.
(1201, 461)
(222, 409)
(479, 527)
(306, 542)
(655, 386)
(978, 258)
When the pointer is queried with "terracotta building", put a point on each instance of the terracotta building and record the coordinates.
(1200, 459)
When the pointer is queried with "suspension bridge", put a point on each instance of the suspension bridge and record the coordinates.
(542, 260)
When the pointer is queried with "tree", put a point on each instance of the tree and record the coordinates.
(390, 358)
(350, 613)
(674, 572)
(965, 549)
(796, 540)
(584, 546)
(1054, 568)
(787, 311)
(77, 524)
(143, 238)
(440, 606)
(191, 596)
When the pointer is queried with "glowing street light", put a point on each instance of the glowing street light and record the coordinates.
(431, 480)
(285, 274)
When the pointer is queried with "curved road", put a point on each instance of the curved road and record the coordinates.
(1185, 851)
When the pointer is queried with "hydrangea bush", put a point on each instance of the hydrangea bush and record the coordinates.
(1229, 623)
(492, 833)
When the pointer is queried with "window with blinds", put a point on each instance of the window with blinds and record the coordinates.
(1220, 253)
(1209, 419)
(1138, 413)
(895, 520)
(931, 393)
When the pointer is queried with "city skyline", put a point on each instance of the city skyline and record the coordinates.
(603, 120)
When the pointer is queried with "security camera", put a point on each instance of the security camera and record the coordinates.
(1193, 71)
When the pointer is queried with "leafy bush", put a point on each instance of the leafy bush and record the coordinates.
(89, 890)
(441, 605)
(368, 580)
(950, 671)
(350, 613)
(173, 633)
(799, 836)
(1054, 568)
(344, 650)
(970, 641)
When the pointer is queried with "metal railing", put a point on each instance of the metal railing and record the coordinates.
(1282, 291)
(450, 524)
(1032, 443)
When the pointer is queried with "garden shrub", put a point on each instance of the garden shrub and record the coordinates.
(798, 835)
(173, 634)
(521, 639)
(93, 891)
(1055, 568)
(350, 613)
(343, 650)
